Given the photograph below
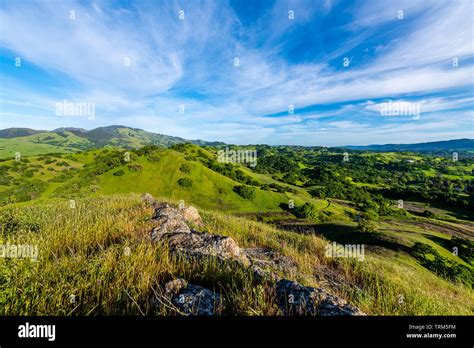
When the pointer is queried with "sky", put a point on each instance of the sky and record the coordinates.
(294, 72)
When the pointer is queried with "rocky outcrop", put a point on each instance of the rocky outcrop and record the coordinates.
(293, 299)
(296, 299)
(192, 299)
(172, 229)
(191, 215)
(269, 259)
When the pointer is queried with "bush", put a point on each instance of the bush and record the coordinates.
(429, 214)
(442, 266)
(245, 191)
(185, 182)
(135, 167)
(366, 225)
(307, 211)
(119, 172)
(185, 168)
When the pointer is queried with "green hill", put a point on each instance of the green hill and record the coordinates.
(408, 252)
(30, 142)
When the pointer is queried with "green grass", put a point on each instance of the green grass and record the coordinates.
(82, 254)
(42, 143)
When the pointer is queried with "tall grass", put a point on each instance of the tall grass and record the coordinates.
(97, 259)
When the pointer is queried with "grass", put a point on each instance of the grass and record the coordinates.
(82, 257)
(210, 190)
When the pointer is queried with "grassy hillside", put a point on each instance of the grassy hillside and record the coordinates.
(29, 142)
(409, 266)
(82, 257)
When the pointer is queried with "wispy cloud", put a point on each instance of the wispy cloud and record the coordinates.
(235, 69)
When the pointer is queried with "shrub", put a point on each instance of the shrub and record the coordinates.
(185, 168)
(135, 167)
(185, 182)
(429, 214)
(442, 266)
(119, 172)
(245, 191)
(366, 225)
(307, 211)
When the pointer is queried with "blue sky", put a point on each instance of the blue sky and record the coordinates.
(398, 51)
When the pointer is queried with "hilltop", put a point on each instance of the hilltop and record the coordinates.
(68, 140)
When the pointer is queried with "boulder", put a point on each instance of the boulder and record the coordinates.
(293, 298)
(270, 260)
(193, 299)
(168, 220)
(173, 231)
(191, 215)
(296, 299)
(148, 198)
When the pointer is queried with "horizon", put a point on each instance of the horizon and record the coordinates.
(308, 73)
(248, 144)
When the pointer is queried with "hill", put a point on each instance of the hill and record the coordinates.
(84, 211)
(17, 132)
(67, 140)
(447, 145)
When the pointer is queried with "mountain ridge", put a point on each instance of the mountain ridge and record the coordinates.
(70, 139)
(452, 144)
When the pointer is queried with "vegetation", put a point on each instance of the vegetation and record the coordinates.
(413, 213)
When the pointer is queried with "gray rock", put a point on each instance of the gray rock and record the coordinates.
(173, 231)
(270, 260)
(293, 298)
(193, 299)
(296, 299)
(191, 215)
(168, 220)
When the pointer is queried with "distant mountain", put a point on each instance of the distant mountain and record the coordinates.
(17, 132)
(445, 145)
(68, 139)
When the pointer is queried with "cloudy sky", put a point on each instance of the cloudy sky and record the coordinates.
(276, 72)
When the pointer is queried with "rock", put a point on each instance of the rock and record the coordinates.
(148, 198)
(169, 220)
(191, 215)
(296, 299)
(173, 230)
(270, 260)
(203, 244)
(193, 299)
(293, 298)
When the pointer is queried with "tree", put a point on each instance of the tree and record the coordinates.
(245, 191)
(366, 225)
(185, 182)
(307, 211)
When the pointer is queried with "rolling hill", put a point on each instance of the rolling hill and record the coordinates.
(29, 142)
(108, 216)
